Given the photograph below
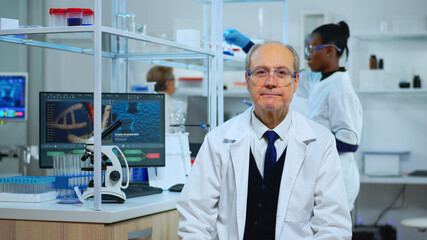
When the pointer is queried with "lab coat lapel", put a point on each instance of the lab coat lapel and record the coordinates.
(299, 136)
(239, 153)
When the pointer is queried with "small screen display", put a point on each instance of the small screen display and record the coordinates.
(13, 96)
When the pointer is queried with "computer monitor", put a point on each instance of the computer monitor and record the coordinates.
(13, 96)
(66, 122)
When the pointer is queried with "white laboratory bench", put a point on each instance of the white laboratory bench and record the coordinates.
(151, 217)
(393, 180)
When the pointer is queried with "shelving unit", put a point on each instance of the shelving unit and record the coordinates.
(158, 49)
(398, 49)
(390, 43)
(391, 36)
(101, 41)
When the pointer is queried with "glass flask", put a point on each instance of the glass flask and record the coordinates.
(177, 117)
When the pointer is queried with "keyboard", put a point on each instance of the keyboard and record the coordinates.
(421, 173)
(139, 189)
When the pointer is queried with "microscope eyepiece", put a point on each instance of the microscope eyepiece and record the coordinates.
(85, 156)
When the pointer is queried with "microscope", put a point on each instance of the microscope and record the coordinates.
(111, 190)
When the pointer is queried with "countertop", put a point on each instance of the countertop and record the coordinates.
(110, 212)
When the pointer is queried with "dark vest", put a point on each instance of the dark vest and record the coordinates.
(263, 195)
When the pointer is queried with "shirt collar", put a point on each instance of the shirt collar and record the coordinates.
(282, 129)
(325, 75)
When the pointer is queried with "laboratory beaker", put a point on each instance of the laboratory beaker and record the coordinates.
(126, 21)
(177, 117)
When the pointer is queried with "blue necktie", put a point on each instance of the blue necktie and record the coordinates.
(270, 154)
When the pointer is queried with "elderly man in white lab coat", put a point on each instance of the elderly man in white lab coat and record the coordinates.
(236, 188)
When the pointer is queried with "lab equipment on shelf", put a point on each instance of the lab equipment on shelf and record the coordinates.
(177, 117)
(58, 17)
(8, 23)
(373, 62)
(416, 82)
(88, 17)
(27, 189)
(61, 17)
(381, 64)
(74, 16)
(126, 21)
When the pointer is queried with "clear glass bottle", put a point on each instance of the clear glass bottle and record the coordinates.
(177, 117)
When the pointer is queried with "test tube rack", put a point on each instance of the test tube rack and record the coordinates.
(64, 185)
(27, 189)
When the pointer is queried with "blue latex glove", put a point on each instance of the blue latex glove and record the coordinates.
(232, 36)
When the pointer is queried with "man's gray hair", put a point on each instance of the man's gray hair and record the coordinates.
(256, 46)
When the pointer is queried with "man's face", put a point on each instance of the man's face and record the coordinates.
(269, 96)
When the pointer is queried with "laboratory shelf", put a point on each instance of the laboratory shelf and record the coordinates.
(392, 180)
(138, 47)
(36, 34)
(391, 36)
(240, 1)
(393, 91)
(188, 91)
(167, 45)
(47, 30)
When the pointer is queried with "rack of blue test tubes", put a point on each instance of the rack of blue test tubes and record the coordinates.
(27, 189)
(64, 185)
(26, 184)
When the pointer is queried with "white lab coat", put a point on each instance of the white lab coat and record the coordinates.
(312, 200)
(333, 103)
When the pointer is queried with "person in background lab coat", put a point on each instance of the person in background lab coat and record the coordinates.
(331, 99)
(165, 82)
(302, 196)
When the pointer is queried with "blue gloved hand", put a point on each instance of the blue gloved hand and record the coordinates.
(232, 36)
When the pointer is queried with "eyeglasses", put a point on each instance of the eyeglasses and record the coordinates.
(309, 50)
(260, 75)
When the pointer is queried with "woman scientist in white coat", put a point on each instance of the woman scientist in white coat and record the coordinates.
(331, 99)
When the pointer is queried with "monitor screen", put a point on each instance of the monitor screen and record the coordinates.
(13, 96)
(66, 122)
